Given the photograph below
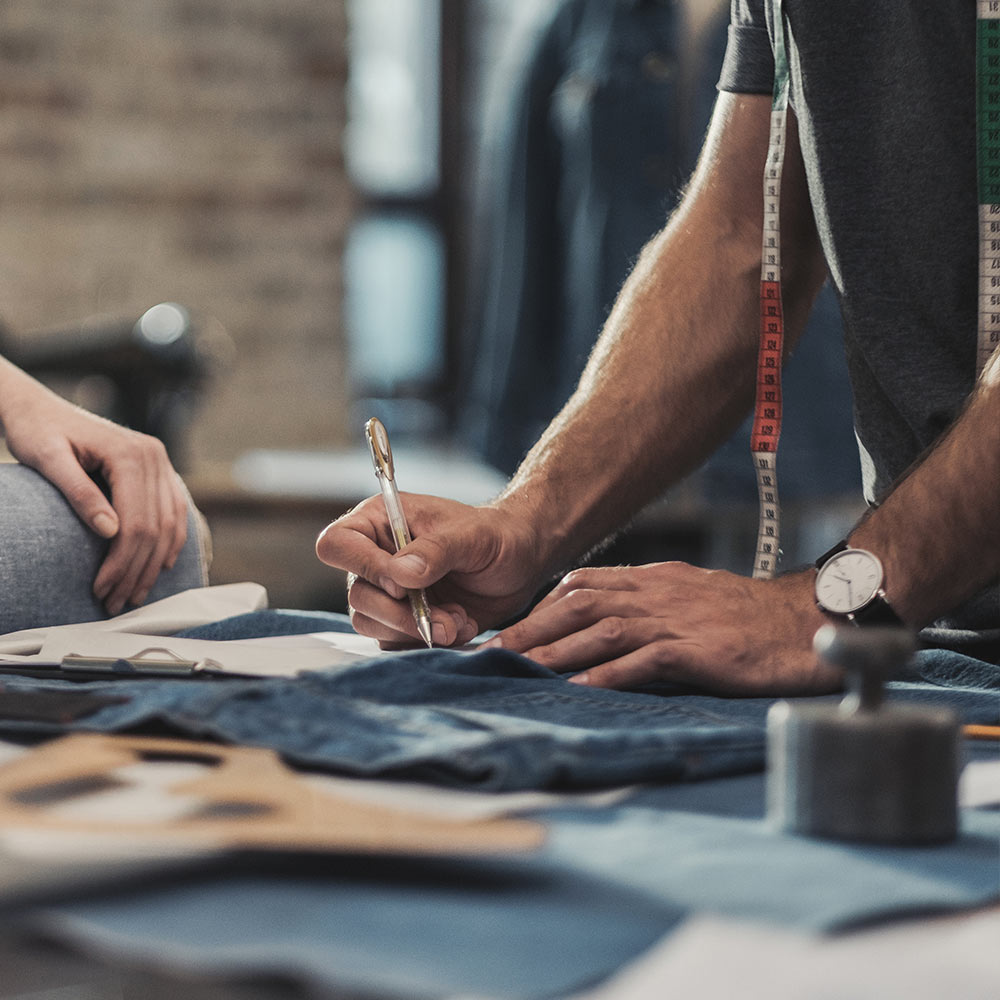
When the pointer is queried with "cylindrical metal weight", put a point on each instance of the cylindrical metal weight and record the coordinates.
(887, 776)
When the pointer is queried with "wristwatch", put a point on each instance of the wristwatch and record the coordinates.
(849, 585)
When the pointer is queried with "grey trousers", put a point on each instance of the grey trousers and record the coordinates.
(49, 557)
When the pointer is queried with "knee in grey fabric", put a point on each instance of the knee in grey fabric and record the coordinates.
(49, 557)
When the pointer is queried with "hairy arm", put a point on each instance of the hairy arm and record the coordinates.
(673, 371)
(937, 533)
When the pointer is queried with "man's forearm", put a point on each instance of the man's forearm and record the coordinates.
(661, 390)
(938, 532)
(673, 372)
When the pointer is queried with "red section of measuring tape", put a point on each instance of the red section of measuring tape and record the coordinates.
(767, 410)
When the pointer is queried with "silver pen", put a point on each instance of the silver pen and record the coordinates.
(378, 444)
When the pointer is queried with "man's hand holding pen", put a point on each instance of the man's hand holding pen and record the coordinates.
(474, 562)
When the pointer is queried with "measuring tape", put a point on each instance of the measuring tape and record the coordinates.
(988, 162)
(767, 406)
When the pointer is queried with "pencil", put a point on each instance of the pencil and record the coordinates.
(978, 732)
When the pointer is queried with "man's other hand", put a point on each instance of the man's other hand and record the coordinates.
(630, 626)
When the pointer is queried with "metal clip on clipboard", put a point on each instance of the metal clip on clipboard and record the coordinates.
(152, 662)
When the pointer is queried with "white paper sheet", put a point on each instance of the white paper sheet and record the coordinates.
(188, 609)
(979, 785)
(710, 958)
(152, 627)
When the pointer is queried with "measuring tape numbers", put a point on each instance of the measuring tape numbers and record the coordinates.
(767, 404)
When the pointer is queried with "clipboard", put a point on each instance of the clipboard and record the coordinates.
(85, 653)
(153, 663)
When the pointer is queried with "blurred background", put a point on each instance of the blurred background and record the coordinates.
(248, 225)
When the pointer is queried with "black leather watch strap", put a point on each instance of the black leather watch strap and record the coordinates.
(830, 553)
(878, 611)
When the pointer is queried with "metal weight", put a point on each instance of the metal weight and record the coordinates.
(862, 769)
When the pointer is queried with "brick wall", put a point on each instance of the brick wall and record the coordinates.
(186, 150)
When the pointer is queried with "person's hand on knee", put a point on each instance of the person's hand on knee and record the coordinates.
(145, 518)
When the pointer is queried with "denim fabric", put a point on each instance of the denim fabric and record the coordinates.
(737, 866)
(605, 886)
(488, 719)
(271, 621)
(383, 929)
(49, 558)
(961, 659)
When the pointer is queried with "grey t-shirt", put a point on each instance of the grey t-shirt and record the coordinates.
(884, 94)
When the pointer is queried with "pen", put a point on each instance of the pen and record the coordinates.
(378, 444)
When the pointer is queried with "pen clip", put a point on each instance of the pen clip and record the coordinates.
(378, 445)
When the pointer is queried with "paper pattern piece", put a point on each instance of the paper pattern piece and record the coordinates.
(216, 798)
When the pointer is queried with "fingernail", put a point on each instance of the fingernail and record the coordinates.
(579, 679)
(439, 634)
(139, 599)
(412, 563)
(392, 588)
(105, 525)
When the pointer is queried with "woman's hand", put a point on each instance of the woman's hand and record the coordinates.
(146, 516)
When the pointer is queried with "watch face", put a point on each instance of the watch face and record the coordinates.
(848, 581)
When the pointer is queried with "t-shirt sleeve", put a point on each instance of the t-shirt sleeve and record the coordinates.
(748, 67)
